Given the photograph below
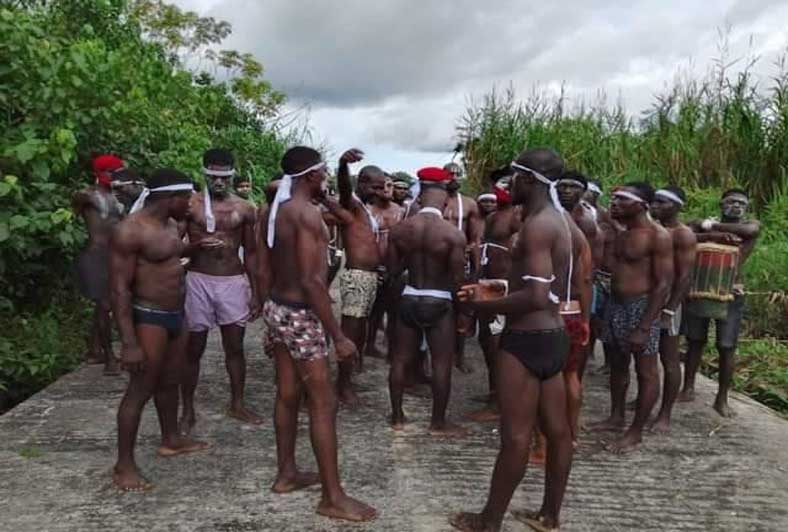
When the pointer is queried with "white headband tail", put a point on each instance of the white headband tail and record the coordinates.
(140, 202)
(542, 179)
(283, 194)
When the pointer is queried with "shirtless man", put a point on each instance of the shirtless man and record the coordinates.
(432, 250)
(533, 348)
(641, 280)
(734, 229)
(101, 211)
(220, 289)
(487, 204)
(147, 299)
(464, 213)
(496, 261)
(359, 280)
(665, 208)
(388, 214)
(401, 193)
(297, 314)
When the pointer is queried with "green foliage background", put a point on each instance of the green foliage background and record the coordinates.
(84, 77)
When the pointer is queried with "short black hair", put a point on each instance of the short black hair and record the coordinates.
(218, 157)
(241, 179)
(164, 177)
(126, 174)
(577, 176)
(732, 191)
(677, 191)
(369, 171)
(642, 189)
(546, 161)
(299, 158)
(499, 173)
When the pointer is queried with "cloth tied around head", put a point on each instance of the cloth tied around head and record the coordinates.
(669, 195)
(284, 193)
(140, 203)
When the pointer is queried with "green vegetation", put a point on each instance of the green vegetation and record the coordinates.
(84, 77)
(704, 135)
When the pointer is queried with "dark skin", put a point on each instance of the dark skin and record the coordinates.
(102, 211)
(643, 255)
(500, 228)
(487, 207)
(296, 270)
(684, 247)
(217, 254)
(400, 193)
(732, 230)
(433, 252)
(542, 249)
(362, 251)
(145, 266)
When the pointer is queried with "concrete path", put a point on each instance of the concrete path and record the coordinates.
(57, 449)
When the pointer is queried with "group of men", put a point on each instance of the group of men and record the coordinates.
(536, 265)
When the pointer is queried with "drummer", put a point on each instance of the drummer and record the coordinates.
(734, 228)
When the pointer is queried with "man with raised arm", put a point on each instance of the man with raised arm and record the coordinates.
(432, 250)
(359, 280)
(734, 229)
(148, 292)
(297, 314)
(641, 280)
(533, 347)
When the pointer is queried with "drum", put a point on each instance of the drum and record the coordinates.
(712, 280)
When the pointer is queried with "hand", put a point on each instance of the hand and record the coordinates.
(637, 341)
(345, 349)
(484, 290)
(353, 155)
(254, 309)
(586, 329)
(730, 238)
(665, 321)
(132, 359)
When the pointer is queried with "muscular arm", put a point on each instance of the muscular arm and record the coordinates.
(684, 261)
(250, 249)
(122, 266)
(339, 213)
(745, 231)
(475, 233)
(457, 261)
(393, 259)
(263, 267)
(80, 201)
(662, 276)
(344, 185)
(309, 257)
(583, 280)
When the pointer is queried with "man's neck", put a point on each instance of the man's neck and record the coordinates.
(729, 220)
(636, 222)
(301, 191)
(538, 200)
(672, 222)
(158, 210)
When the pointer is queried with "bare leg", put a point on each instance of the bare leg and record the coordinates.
(725, 379)
(518, 396)
(648, 391)
(574, 402)
(235, 361)
(619, 382)
(191, 375)
(669, 355)
(439, 339)
(356, 330)
(401, 360)
(465, 324)
(94, 353)
(489, 345)
(694, 354)
(316, 376)
(104, 330)
(375, 321)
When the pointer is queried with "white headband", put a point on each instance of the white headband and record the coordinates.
(574, 182)
(628, 195)
(593, 187)
(486, 196)
(140, 203)
(667, 194)
(283, 194)
(539, 177)
(218, 173)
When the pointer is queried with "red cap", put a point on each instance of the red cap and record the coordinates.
(433, 174)
(103, 165)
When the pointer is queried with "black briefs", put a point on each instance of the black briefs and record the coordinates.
(292, 304)
(423, 312)
(542, 352)
(171, 321)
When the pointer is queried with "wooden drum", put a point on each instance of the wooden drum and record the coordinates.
(712, 280)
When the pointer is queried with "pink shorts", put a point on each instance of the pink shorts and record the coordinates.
(213, 300)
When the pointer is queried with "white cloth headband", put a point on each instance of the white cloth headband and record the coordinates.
(218, 173)
(667, 194)
(140, 203)
(124, 183)
(574, 182)
(593, 187)
(539, 177)
(486, 196)
(628, 195)
(283, 194)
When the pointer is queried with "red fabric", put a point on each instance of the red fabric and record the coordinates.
(577, 329)
(433, 174)
(103, 166)
(502, 196)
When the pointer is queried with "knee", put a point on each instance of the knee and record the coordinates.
(519, 442)
(288, 398)
(323, 409)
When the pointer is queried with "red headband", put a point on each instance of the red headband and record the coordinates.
(502, 196)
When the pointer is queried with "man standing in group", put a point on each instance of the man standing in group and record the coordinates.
(101, 211)
(243, 187)
(734, 229)
(487, 204)
(220, 289)
(433, 252)
(401, 193)
(464, 213)
(641, 280)
(533, 347)
(297, 314)
(665, 208)
(147, 300)
(359, 281)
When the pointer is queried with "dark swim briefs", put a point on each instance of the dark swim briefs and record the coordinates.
(542, 352)
(423, 312)
(170, 321)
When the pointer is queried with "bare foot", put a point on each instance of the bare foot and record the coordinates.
(181, 445)
(629, 442)
(448, 430)
(535, 520)
(243, 414)
(463, 367)
(488, 413)
(294, 483)
(186, 424)
(111, 368)
(468, 522)
(348, 398)
(686, 396)
(661, 425)
(130, 480)
(397, 423)
(723, 409)
(347, 508)
(607, 425)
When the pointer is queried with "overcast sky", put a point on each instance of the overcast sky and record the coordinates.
(393, 77)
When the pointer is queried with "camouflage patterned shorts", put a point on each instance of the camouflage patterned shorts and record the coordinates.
(358, 289)
(295, 326)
